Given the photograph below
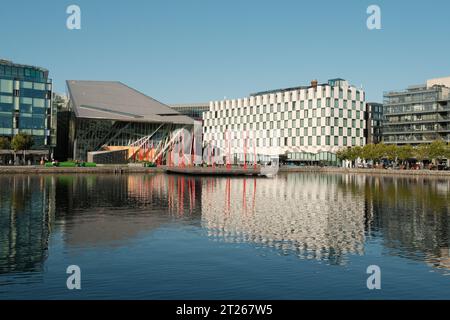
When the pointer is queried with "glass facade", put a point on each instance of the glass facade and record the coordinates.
(25, 104)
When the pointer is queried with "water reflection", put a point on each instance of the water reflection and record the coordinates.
(323, 217)
(109, 210)
(309, 215)
(25, 221)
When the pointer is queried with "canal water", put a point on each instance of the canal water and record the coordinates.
(296, 236)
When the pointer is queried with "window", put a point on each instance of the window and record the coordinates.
(6, 86)
(6, 121)
(39, 86)
(6, 99)
(327, 140)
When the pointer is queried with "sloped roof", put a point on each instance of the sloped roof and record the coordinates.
(114, 100)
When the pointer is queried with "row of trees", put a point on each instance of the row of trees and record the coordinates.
(18, 142)
(376, 152)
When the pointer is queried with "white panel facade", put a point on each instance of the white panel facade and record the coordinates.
(322, 118)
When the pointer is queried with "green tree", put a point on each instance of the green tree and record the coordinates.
(421, 152)
(343, 154)
(372, 152)
(391, 152)
(405, 152)
(22, 142)
(4, 143)
(437, 150)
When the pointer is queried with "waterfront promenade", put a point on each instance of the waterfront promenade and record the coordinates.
(124, 169)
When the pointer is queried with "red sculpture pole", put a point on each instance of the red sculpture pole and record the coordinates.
(245, 150)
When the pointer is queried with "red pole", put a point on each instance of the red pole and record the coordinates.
(213, 154)
(229, 150)
(182, 149)
(245, 150)
(254, 150)
(193, 148)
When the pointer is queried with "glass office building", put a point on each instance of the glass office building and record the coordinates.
(25, 104)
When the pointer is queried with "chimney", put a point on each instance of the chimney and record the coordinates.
(314, 84)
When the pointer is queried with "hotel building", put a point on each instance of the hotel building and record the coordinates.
(420, 114)
(303, 124)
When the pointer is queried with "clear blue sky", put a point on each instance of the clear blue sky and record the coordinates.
(201, 50)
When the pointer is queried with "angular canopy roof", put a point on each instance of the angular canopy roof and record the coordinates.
(112, 100)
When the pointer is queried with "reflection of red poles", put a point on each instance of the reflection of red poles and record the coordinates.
(228, 191)
(244, 194)
(254, 196)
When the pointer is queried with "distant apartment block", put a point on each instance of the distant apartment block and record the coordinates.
(305, 124)
(419, 114)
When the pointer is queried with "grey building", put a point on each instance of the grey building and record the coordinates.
(374, 122)
(419, 114)
(193, 110)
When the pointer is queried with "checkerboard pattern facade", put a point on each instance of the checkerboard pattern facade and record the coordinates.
(314, 119)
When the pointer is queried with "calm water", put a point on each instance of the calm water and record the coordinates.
(297, 236)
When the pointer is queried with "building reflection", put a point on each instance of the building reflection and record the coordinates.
(26, 213)
(306, 214)
(413, 217)
(324, 217)
(108, 210)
